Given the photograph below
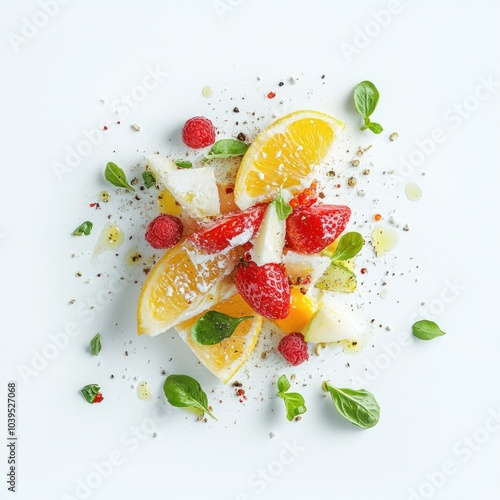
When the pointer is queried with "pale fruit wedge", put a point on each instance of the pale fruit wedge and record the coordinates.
(270, 239)
(329, 325)
(305, 270)
(181, 282)
(285, 155)
(226, 358)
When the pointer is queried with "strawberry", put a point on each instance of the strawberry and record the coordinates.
(265, 289)
(229, 230)
(311, 229)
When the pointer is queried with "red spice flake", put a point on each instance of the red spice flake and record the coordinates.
(105, 127)
(271, 95)
(98, 398)
(92, 205)
(377, 217)
(364, 270)
(229, 189)
(241, 394)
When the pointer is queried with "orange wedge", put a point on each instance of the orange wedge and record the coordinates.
(284, 155)
(181, 284)
(227, 357)
(302, 309)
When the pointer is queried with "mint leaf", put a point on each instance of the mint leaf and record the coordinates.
(283, 208)
(183, 164)
(426, 330)
(149, 178)
(359, 407)
(350, 244)
(183, 391)
(83, 228)
(227, 148)
(95, 345)
(294, 402)
(213, 327)
(114, 174)
(90, 391)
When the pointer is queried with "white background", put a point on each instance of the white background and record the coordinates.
(437, 398)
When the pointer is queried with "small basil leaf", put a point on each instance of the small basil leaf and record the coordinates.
(183, 391)
(95, 345)
(283, 208)
(426, 330)
(349, 246)
(90, 392)
(83, 228)
(294, 404)
(283, 384)
(183, 164)
(227, 148)
(375, 128)
(359, 407)
(114, 174)
(366, 98)
(149, 178)
(213, 327)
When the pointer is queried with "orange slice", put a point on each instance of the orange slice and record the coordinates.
(302, 309)
(227, 357)
(181, 284)
(284, 155)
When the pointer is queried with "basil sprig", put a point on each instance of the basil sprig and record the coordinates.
(149, 178)
(294, 402)
(83, 228)
(214, 327)
(95, 345)
(358, 406)
(184, 391)
(283, 208)
(426, 330)
(90, 392)
(366, 98)
(349, 246)
(227, 148)
(114, 174)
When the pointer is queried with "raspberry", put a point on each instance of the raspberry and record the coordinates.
(198, 132)
(164, 231)
(294, 348)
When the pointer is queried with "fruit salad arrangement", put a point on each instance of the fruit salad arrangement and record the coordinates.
(261, 246)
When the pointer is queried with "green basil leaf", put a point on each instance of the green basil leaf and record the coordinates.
(95, 345)
(213, 327)
(149, 178)
(294, 404)
(426, 330)
(90, 392)
(359, 407)
(183, 164)
(183, 391)
(83, 228)
(366, 98)
(283, 384)
(375, 127)
(114, 174)
(349, 246)
(283, 208)
(227, 148)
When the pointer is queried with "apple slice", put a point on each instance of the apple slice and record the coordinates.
(329, 325)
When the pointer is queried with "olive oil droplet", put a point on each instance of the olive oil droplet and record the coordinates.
(413, 191)
(133, 257)
(384, 240)
(207, 91)
(111, 237)
(104, 196)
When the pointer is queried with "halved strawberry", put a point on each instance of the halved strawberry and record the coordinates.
(311, 229)
(265, 289)
(229, 230)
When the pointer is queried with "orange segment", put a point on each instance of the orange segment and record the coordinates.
(302, 309)
(226, 358)
(284, 156)
(179, 284)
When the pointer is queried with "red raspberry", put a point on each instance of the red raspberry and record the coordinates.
(293, 347)
(198, 132)
(164, 231)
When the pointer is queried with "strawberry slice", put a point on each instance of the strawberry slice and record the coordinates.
(311, 229)
(265, 289)
(229, 230)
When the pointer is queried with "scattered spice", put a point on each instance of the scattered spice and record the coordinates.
(377, 217)
(271, 95)
(241, 137)
(393, 136)
(351, 182)
(135, 127)
(364, 270)
(236, 110)
(355, 163)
